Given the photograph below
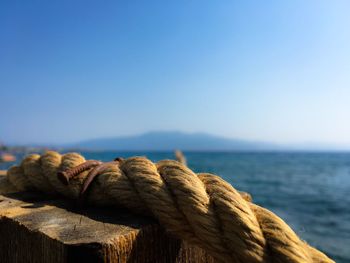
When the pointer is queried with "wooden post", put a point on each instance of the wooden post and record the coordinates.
(180, 157)
(34, 228)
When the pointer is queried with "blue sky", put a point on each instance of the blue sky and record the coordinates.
(262, 70)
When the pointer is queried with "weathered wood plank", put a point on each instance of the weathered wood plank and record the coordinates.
(33, 229)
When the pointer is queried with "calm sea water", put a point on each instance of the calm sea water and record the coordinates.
(310, 191)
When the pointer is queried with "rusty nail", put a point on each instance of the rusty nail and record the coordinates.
(65, 176)
(91, 176)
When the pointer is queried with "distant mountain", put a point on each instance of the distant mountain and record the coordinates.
(168, 141)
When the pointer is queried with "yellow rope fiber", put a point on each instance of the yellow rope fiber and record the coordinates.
(200, 208)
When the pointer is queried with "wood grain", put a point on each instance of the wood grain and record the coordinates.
(36, 229)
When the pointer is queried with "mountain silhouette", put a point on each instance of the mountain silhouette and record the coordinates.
(171, 140)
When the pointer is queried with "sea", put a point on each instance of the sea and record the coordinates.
(310, 191)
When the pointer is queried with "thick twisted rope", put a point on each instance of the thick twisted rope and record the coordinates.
(200, 208)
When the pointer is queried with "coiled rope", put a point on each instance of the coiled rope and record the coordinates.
(200, 208)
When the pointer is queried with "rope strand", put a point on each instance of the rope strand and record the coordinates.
(200, 208)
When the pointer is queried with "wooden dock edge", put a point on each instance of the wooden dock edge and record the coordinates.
(34, 229)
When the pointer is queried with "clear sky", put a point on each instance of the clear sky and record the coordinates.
(263, 70)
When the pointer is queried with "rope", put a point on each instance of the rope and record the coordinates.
(201, 208)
